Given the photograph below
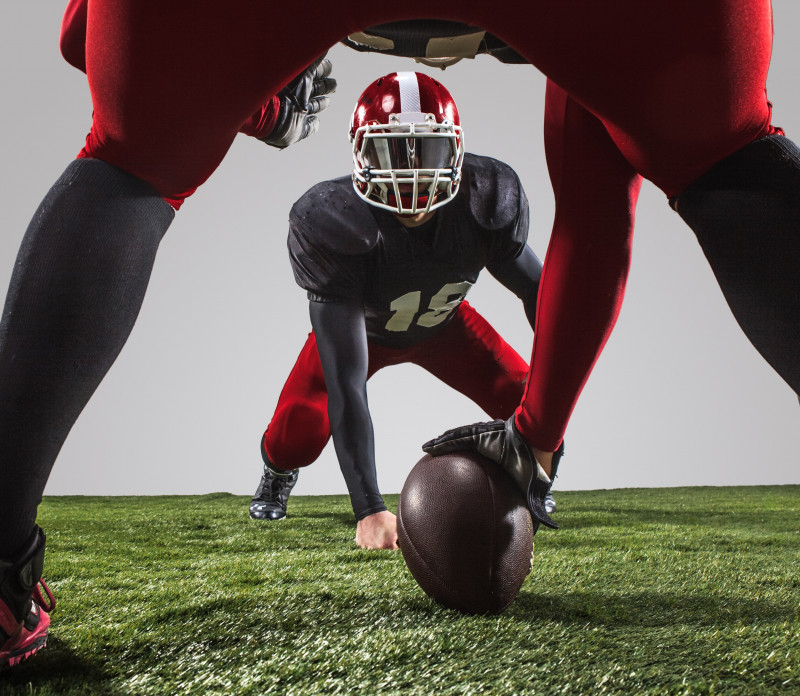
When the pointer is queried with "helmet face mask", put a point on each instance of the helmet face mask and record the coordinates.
(408, 162)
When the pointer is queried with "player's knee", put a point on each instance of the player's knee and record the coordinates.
(297, 435)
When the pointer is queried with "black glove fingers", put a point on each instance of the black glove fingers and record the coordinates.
(446, 437)
(303, 97)
(449, 443)
(322, 68)
(301, 88)
(464, 437)
(322, 86)
(318, 104)
(310, 126)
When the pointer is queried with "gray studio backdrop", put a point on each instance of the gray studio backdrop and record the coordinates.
(679, 396)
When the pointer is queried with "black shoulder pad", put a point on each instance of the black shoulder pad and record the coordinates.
(332, 215)
(496, 198)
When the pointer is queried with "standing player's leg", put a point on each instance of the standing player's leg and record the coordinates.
(79, 280)
(585, 269)
(171, 85)
(681, 88)
(746, 215)
(85, 261)
(580, 294)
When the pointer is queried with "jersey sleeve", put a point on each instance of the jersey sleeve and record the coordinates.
(261, 123)
(511, 240)
(330, 237)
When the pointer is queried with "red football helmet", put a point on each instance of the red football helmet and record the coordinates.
(408, 145)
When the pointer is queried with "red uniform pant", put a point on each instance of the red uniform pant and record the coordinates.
(467, 355)
(678, 84)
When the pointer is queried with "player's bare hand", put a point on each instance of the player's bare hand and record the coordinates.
(378, 531)
(501, 442)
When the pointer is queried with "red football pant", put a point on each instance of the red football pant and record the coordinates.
(679, 84)
(467, 355)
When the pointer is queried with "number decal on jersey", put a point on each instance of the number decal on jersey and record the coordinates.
(405, 309)
(443, 303)
(440, 307)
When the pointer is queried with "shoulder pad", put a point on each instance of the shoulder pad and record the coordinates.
(332, 215)
(495, 195)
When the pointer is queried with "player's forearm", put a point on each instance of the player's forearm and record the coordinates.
(342, 344)
(354, 442)
(529, 304)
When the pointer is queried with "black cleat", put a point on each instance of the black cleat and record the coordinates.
(269, 502)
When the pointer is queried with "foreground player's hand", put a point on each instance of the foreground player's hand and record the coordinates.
(501, 442)
(378, 531)
(300, 102)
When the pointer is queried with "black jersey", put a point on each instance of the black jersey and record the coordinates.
(409, 280)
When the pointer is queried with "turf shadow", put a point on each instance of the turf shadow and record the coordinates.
(341, 518)
(58, 669)
(646, 609)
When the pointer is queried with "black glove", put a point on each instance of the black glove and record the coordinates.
(501, 442)
(304, 97)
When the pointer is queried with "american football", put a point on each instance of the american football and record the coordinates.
(465, 532)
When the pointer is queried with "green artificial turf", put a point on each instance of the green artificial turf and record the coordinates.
(654, 591)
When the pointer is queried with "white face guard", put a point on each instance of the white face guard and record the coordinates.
(410, 166)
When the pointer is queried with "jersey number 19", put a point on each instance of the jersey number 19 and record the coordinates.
(406, 307)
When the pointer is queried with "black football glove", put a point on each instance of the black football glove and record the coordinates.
(304, 97)
(501, 442)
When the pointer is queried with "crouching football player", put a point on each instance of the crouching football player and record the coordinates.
(387, 257)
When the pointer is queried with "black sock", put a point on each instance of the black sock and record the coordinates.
(746, 215)
(76, 290)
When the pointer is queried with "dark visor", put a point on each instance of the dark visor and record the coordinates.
(409, 153)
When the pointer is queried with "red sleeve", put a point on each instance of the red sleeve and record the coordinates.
(73, 34)
(261, 123)
(586, 266)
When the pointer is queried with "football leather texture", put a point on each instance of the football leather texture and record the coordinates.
(465, 532)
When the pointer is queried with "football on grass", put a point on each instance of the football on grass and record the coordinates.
(465, 532)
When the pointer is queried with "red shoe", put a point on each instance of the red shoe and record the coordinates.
(24, 613)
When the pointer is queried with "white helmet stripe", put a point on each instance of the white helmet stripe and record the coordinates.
(409, 92)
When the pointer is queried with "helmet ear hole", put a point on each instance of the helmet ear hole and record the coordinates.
(408, 145)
